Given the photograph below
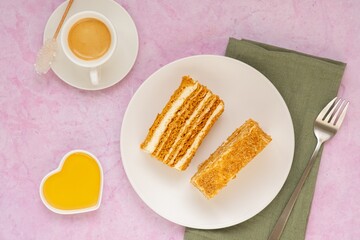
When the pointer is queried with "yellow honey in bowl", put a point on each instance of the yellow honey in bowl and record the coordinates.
(77, 185)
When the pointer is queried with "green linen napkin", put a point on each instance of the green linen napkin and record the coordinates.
(307, 84)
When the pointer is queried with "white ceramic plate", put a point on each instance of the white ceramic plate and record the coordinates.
(120, 62)
(246, 94)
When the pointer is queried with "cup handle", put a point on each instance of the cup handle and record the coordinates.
(94, 76)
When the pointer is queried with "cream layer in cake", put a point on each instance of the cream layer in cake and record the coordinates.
(179, 129)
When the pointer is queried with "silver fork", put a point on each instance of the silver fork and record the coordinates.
(326, 125)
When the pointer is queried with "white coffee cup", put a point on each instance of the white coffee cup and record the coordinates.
(92, 65)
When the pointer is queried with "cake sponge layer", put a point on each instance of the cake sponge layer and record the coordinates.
(186, 119)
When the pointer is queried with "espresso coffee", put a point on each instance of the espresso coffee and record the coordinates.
(89, 39)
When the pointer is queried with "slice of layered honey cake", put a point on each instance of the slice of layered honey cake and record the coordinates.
(179, 129)
(230, 157)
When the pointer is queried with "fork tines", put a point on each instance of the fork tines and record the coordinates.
(335, 111)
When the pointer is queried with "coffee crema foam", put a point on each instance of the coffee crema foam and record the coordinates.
(89, 39)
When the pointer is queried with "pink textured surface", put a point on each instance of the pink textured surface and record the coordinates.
(41, 118)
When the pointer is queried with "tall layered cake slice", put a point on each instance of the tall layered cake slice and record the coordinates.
(179, 129)
(230, 157)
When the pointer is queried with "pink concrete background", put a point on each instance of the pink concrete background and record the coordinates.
(41, 118)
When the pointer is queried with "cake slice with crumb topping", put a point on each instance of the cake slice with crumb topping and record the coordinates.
(230, 157)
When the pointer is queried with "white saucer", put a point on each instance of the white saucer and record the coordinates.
(119, 64)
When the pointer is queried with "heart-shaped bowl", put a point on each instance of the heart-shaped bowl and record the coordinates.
(75, 188)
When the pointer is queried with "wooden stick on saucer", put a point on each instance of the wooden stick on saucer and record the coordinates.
(48, 51)
(63, 19)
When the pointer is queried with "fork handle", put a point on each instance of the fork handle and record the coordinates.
(281, 222)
